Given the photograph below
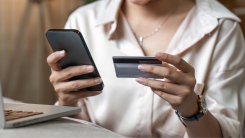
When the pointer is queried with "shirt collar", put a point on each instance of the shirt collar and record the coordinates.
(216, 7)
(110, 13)
(208, 13)
(109, 16)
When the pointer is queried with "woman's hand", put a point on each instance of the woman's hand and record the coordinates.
(178, 87)
(68, 90)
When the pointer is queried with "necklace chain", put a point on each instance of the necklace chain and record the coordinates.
(158, 28)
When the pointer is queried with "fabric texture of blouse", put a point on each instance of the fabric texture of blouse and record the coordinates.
(210, 39)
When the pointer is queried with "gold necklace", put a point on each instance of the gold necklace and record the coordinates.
(141, 38)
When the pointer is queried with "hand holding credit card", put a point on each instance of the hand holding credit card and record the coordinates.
(127, 66)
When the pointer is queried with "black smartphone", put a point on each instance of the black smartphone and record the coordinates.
(77, 52)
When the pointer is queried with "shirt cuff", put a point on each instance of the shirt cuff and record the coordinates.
(56, 103)
(90, 112)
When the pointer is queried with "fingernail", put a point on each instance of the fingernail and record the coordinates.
(158, 55)
(154, 54)
(90, 68)
(62, 53)
(142, 67)
(140, 80)
(97, 81)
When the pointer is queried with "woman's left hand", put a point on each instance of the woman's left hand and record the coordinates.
(178, 87)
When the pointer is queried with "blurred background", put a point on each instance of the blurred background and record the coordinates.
(24, 72)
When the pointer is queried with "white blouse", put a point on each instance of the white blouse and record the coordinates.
(210, 39)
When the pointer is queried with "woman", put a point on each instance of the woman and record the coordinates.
(202, 49)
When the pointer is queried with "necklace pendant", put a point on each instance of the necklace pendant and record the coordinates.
(141, 41)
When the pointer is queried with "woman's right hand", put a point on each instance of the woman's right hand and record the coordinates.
(68, 90)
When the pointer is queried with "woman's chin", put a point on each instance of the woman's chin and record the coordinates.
(140, 2)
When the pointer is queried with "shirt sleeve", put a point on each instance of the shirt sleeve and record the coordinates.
(225, 89)
(71, 23)
(225, 101)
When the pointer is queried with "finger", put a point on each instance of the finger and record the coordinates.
(74, 96)
(70, 72)
(164, 64)
(172, 99)
(167, 80)
(72, 86)
(170, 74)
(54, 58)
(166, 96)
(176, 61)
(170, 88)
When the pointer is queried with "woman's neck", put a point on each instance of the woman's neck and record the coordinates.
(145, 19)
(152, 11)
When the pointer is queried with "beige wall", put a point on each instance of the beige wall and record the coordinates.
(23, 69)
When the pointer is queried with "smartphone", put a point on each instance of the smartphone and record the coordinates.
(127, 66)
(77, 53)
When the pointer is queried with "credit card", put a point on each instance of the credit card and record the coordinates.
(127, 66)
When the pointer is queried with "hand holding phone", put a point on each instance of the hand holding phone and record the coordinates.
(77, 53)
(68, 91)
(74, 74)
